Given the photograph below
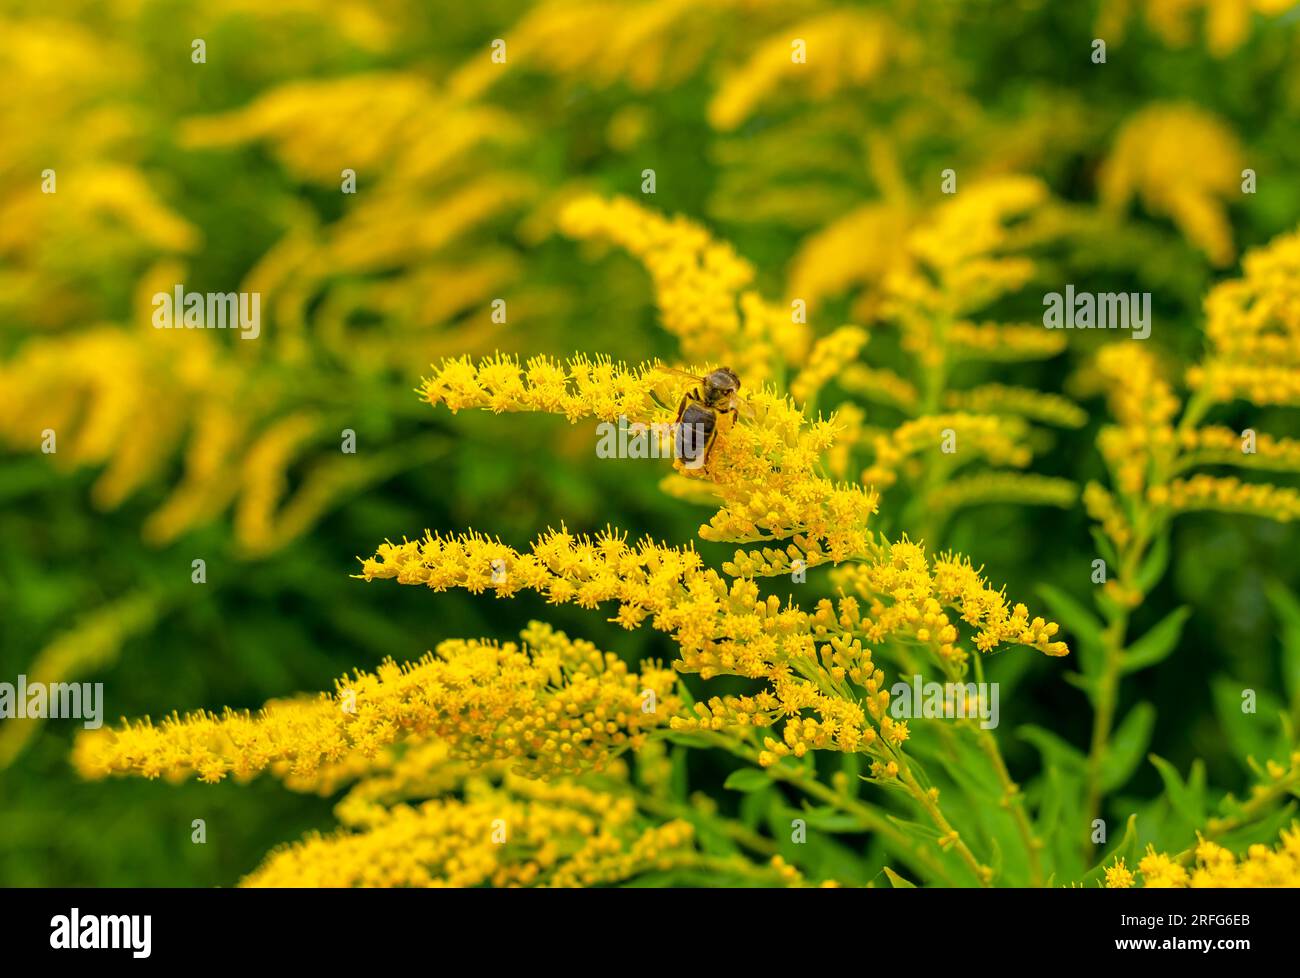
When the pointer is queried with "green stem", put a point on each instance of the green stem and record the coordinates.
(1013, 800)
(870, 818)
(923, 798)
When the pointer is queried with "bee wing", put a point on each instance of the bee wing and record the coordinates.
(681, 373)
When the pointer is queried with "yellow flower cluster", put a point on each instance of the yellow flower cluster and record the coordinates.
(826, 360)
(1254, 330)
(768, 487)
(879, 385)
(959, 437)
(1227, 22)
(1254, 334)
(962, 255)
(961, 260)
(1217, 445)
(822, 688)
(1216, 866)
(411, 770)
(857, 248)
(1023, 402)
(1226, 494)
(1182, 163)
(553, 706)
(646, 44)
(701, 285)
(823, 56)
(578, 388)
(1256, 318)
(98, 395)
(561, 834)
(1139, 395)
(1263, 386)
(1103, 508)
(763, 469)
(957, 261)
(907, 595)
(730, 629)
(1003, 341)
(92, 400)
(1023, 488)
(1144, 405)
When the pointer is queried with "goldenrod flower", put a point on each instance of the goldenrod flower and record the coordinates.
(1259, 385)
(1228, 495)
(552, 705)
(880, 385)
(829, 356)
(907, 595)
(1183, 163)
(763, 467)
(578, 388)
(646, 44)
(1218, 445)
(701, 285)
(1217, 866)
(1103, 508)
(841, 49)
(530, 835)
(1227, 23)
(856, 249)
(1000, 440)
(1003, 342)
(1024, 402)
(1023, 488)
(765, 483)
(1145, 406)
(962, 259)
(1254, 330)
(1118, 876)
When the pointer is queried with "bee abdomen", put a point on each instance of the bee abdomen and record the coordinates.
(693, 431)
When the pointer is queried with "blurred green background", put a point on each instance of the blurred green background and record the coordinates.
(227, 171)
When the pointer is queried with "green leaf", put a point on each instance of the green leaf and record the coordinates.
(851, 765)
(1187, 800)
(685, 739)
(1104, 547)
(747, 779)
(1081, 626)
(712, 840)
(1056, 752)
(830, 820)
(1287, 608)
(1156, 644)
(680, 775)
(1153, 568)
(1127, 849)
(1250, 734)
(1127, 746)
(1264, 830)
(755, 805)
(896, 881)
(924, 833)
(830, 859)
(1086, 683)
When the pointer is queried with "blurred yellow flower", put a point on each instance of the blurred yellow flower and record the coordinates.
(1183, 164)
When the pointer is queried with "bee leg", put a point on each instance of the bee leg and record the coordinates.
(708, 452)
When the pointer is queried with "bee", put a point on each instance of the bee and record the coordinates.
(695, 428)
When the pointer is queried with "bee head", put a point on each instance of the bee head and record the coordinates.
(720, 385)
